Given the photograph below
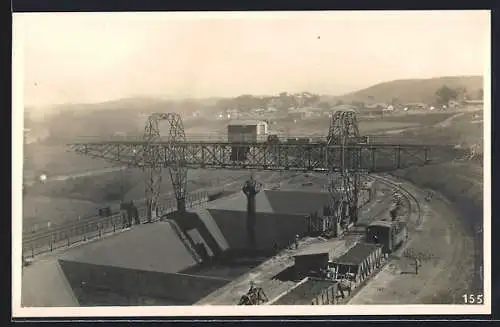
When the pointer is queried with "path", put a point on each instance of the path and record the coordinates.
(446, 267)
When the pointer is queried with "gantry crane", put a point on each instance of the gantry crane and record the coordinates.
(344, 155)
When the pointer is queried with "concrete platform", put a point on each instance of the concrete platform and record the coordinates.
(44, 285)
(150, 247)
(274, 201)
(147, 261)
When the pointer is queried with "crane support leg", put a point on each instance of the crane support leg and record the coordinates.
(173, 153)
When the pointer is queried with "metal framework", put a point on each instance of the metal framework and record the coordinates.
(343, 154)
(314, 157)
(155, 156)
(344, 180)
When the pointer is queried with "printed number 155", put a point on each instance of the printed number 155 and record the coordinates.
(473, 299)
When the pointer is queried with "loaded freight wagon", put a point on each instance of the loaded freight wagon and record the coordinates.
(245, 132)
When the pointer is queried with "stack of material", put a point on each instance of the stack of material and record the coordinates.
(310, 291)
(359, 262)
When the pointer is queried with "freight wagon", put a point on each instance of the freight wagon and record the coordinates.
(390, 234)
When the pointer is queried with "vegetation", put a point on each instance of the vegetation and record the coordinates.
(415, 90)
(445, 95)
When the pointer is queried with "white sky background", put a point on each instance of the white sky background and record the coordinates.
(92, 57)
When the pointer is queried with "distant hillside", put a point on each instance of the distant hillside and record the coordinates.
(415, 90)
(104, 119)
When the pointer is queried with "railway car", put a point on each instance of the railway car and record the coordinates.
(390, 234)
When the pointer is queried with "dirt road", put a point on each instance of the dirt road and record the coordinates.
(446, 258)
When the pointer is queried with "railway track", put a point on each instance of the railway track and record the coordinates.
(414, 210)
(414, 206)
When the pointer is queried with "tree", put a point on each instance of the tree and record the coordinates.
(445, 94)
(339, 103)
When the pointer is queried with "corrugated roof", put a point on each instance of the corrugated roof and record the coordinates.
(357, 254)
(150, 247)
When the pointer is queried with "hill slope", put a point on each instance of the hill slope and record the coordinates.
(415, 90)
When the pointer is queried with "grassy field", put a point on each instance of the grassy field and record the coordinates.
(320, 125)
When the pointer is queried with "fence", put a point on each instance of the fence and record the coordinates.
(65, 236)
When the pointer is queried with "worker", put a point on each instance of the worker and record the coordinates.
(297, 241)
(417, 264)
(276, 247)
(252, 287)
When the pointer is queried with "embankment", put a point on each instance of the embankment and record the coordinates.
(462, 186)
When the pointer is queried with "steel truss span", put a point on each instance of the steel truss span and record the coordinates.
(318, 157)
(343, 154)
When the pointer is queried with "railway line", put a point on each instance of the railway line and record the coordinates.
(444, 244)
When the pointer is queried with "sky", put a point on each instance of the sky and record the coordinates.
(94, 57)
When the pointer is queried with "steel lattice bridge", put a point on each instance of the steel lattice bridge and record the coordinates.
(319, 157)
(344, 155)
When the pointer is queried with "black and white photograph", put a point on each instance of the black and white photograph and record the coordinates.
(251, 163)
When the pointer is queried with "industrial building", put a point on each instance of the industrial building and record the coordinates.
(247, 131)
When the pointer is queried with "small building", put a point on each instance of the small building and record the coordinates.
(246, 130)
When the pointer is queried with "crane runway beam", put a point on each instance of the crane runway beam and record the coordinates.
(311, 157)
(344, 154)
